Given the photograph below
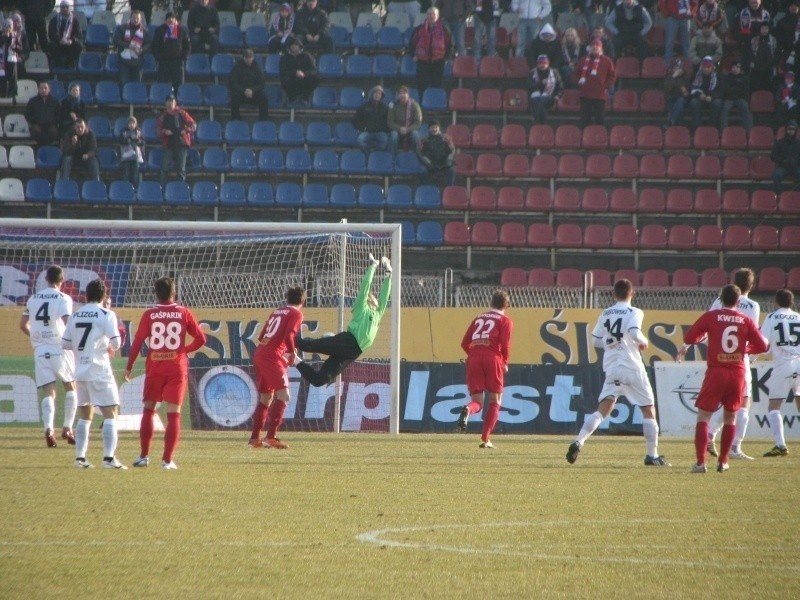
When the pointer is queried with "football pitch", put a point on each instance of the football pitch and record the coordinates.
(409, 516)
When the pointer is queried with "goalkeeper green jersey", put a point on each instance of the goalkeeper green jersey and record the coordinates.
(365, 321)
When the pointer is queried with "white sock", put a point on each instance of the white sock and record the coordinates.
(82, 438)
(590, 423)
(715, 424)
(48, 412)
(70, 408)
(776, 424)
(742, 419)
(109, 437)
(650, 431)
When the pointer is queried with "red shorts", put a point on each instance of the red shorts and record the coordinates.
(160, 388)
(485, 373)
(721, 386)
(271, 376)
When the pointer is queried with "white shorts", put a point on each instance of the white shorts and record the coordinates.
(748, 377)
(98, 393)
(52, 364)
(784, 379)
(633, 384)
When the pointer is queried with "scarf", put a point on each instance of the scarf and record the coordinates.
(407, 118)
(431, 42)
(282, 25)
(547, 81)
(595, 60)
(173, 32)
(65, 25)
(684, 10)
(697, 82)
(708, 14)
(745, 20)
(570, 53)
(134, 37)
(15, 48)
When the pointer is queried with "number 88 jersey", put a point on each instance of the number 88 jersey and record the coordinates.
(165, 327)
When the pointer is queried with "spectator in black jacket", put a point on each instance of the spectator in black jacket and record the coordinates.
(298, 73)
(785, 154)
(132, 41)
(371, 120)
(313, 27)
(787, 97)
(72, 108)
(246, 85)
(35, 12)
(437, 153)
(79, 149)
(65, 37)
(736, 94)
(203, 25)
(43, 114)
(171, 47)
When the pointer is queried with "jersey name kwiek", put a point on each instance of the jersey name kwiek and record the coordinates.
(730, 319)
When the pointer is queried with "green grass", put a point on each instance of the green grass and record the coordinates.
(411, 516)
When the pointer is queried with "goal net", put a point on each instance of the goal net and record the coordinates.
(232, 275)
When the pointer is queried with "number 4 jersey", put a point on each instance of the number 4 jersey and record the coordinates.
(47, 311)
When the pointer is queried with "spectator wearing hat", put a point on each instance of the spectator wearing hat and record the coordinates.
(533, 14)
(786, 100)
(437, 153)
(175, 128)
(132, 40)
(485, 19)
(747, 26)
(65, 38)
(594, 75)
(599, 33)
(171, 48)
(43, 114)
(705, 43)
(313, 27)
(404, 120)
(764, 57)
(79, 149)
(246, 85)
(545, 43)
(676, 91)
(676, 16)
(735, 93)
(371, 120)
(281, 29)
(203, 23)
(546, 88)
(430, 46)
(785, 155)
(709, 12)
(298, 73)
(704, 93)
(629, 23)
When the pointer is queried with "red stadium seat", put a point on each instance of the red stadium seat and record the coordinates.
(709, 237)
(707, 167)
(655, 37)
(622, 137)
(706, 137)
(649, 137)
(762, 101)
(515, 100)
(538, 199)
(733, 137)
(789, 203)
(510, 199)
(456, 233)
(540, 235)
(763, 202)
(594, 199)
(790, 238)
(593, 137)
(677, 137)
(761, 167)
(736, 237)
(652, 102)
(596, 235)
(627, 67)
(685, 278)
(623, 200)
(544, 166)
(455, 197)
(713, 278)
(569, 277)
(567, 199)
(600, 278)
(625, 101)
(569, 102)
(653, 237)
(598, 166)
(652, 166)
(652, 200)
(465, 166)
(484, 233)
(735, 167)
(771, 279)
(465, 67)
(655, 278)
(568, 137)
(624, 236)
(793, 278)
(761, 138)
(517, 68)
(492, 67)
(570, 166)
(489, 165)
(764, 238)
(460, 134)
(630, 274)
(541, 137)
(569, 235)
(489, 100)
(484, 137)
(539, 277)
(653, 68)
(681, 237)
(461, 100)
(513, 234)
(513, 276)
(679, 200)
(516, 165)
(707, 202)
(513, 137)
(482, 197)
(736, 201)
(625, 166)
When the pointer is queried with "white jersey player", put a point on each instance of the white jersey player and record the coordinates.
(93, 333)
(619, 332)
(44, 320)
(745, 279)
(782, 330)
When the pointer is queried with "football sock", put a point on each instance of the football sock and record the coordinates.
(590, 423)
(70, 408)
(742, 419)
(650, 431)
(714, 425)
(82, 438)
(728, 433)
(474, 407)
(146, 431)
(701, 441)
(490, 420)
(275, 420)
(172, 435)
(109, 437)
(48, 411)
(776, 424)
(259, 418)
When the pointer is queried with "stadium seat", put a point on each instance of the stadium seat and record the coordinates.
(510, 199)
(264, 133)
(380, 162)
(455, 197)
(570, 166)
(736, 201)
(370, 195)
(256, 37)
(177, 193)
(627, 67)
(198, 66)
(488, 165)
(399, 197)
(736, 237)
(622, 137)
(625, 166)
(652, 166)
(538, 199)
(733, 138)
(464, 67)
(260, 194)
(108, 160)
(407, 164)
(765, 238)
(204, 193)
(761, 138)
(569, 277)
(389, 38)
(159, 92)
(97, 37)
(568, 137)
(363, 38)
(237, 133)
(460, 135)
(624, 236)
(330, 66)
(465, 165)
(325, 98)
(121, 193)
(434, 100)
(456, 233)
(429, 233)
(101, 127)
(288, 195)
(653, 237)
(230, 37)
(516, 165)
(771, 279)
(685, 278)
(764, 202)
(568, 235)
(713, 277)
(736, 167)
(47, 157)
(599, 278)
(594, 200)
(489, 100)
(762, 101)
(679, 201)
(107, 93)
(567, 199)
(596, 235)
(761, 168)
(649, 137)
(408, 236)
(90, 64)
(515, 100)
(343, 195)
(789, 241)
(681, 237)
(655, 278)
(350, 98)
(511, 276)
(677, 137)
(625, 101)
(298, 161)
(340, 37)
(222, 65)
(680, 166)
(38, 189)
(15, 126)
(215, 160)
(623, 200)
(461, 100)
(326, 162)
(706, 138)
(216, 95)
(707, 202)
(569, 101)
(353, 162)
(709, 237)
(630, 274)
(243, 160)
(37, 63)
(190, 95)
(315, 195)
(408, 67)
(149, 193)
(491, 67)
(318, 133)
(231, 193)
(517, 67)
(513, 137)
(593, 137)
(652, 102)
(541, 277)
(209, 133)
(513, 234)
(598, 166)
(290, 133)
(94, 192)
(541, 235)
(653, 67)
(541, 137)
(482, 198)
(707, 167)
(358, 66)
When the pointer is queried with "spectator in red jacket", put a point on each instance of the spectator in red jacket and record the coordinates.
(175, 127)
(594, 74)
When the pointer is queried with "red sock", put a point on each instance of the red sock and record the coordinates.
(728, 433)
(146, 431)
(172, 435)
(276, 410)
(259, 418)
(490, 420)
(474, 407)
(701, 441)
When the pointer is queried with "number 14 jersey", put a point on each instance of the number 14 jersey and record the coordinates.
(620, 328)
(165, 327)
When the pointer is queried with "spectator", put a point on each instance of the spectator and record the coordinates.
(131, 151)
(430, 46)
(747, 27)
(785, 155)
(14, 48)
(412, 8)
(571, 51)
(710, 13)
(371, 120)
(545, 43)
(704, 93)
(546, 88)
(785, 31)
(203, 26)
(43, 114)
(298, 73)
(36, 12)
(599, 33)
(677, 15)
(246, 84)
(281, 27)
(171, 47)
(175, 127)
(594, 74)
(487, 14)
(676, 92)
(143, 6)
(89, 7)
(313, 27)
(437, 153)
(764, 57)
(629, 23)
(786, 100)
(533, 14)
(736, 94)
(455, 14)
(65, 37)
(72, 108)
(572, 16)
(405, 119)
(79, 149)
(595, 13)
(705, 43)
(132, 41)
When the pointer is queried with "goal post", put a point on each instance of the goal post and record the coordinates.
(232, 275)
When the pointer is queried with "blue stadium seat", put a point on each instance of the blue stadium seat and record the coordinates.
(107, 93)
(343, 195)
(38, 189)
(345, 134)
(222, 65)
(353, 162)
(230, 37)
(150, 130)
(270, 160)
(363, 38)
(107, 158)
(48, 157)
(330, 66)
(288, 195)
(399, 197)
(66, 191)
(111, 66)
(326, 162)
(149, 192)
(408, 68)
(97, 37)
(434, 99)
(58, 90)
(407, 163)
(190, 95)
(216, 95)
(384, 66)
(370, 195)
(94, 192)
(177, 193)
(256, 37)
(237, 133)
(153, 158)
(90, 64)
(264, 133)
(274, 95)
(205, 193)
(350, 98)
(209, 132)
(427, 197)
(243, 160)
(407, 233)
(358, 66)
(215, 160)
(121, 192)
(159, 92)
(120, 123)
(150, 66)
(318, 133)
(135, 93)
(260, 194)
(380, 162)
(390, 38)
(340, 37)
(198, 66)
(324, 98)
(231, 193)
(298, 161)
(272, 66)
(315, 195)
(290, 133)
(429, 233)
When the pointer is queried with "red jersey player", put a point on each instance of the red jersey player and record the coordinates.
(487, 343)
(731, 335)
(164, 327)
(275, 353)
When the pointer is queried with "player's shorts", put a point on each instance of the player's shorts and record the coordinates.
(165, 388)
(271, 376)
(631, 383)
(98, 393)
(785, 379)
(485, 373)
(748, 376)
(721, 386)
(52, 364)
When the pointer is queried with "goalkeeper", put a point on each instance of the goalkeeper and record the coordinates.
(345, 347)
